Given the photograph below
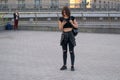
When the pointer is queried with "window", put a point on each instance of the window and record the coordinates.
(21, 3)
(4, 4)
(54, 3)
(4, 1)
(95, 1)
(38, 3)
(99, 2)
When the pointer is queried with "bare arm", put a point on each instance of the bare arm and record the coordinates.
(61, 24)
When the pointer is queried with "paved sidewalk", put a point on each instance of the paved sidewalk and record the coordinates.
(35, 55)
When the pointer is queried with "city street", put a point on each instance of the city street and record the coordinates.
(37, 55)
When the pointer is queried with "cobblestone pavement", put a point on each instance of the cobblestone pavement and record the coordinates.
(35, 55)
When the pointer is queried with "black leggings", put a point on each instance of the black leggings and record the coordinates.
(71, 51)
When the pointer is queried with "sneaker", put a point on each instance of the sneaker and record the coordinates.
(72, 68)
(63, 68)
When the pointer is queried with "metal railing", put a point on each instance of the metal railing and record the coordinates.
(54, 7)
(85, 19)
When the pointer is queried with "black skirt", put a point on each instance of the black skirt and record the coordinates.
(67, 37)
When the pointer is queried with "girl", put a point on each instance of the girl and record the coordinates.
(66, 24)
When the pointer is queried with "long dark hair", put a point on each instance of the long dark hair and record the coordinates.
(67, 11)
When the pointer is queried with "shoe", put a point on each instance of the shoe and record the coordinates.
(63, 68)
(72, 68)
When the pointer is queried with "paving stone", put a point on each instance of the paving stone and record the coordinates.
(37, 55)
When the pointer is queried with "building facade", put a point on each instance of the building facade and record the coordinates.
(33, 3)
(106, 3)
(59, 3)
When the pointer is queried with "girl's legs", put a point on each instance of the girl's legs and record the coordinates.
(72, 55)
(64, 47)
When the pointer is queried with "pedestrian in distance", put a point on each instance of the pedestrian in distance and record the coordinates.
(16, 19)
(66, 24)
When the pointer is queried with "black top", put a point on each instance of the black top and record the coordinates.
(68, 24)
(16, 17)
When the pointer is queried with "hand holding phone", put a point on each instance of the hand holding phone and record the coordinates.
(64, 22)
